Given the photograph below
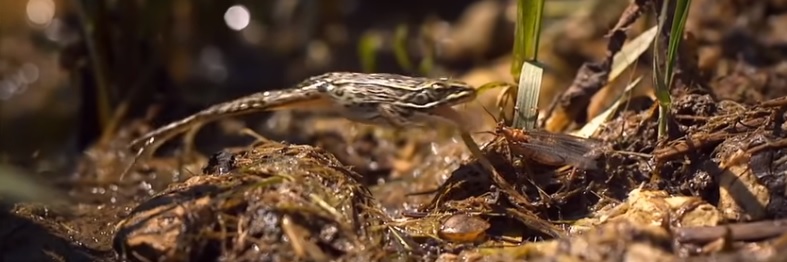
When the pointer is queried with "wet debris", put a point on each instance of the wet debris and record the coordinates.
(221, 163)
(282, 202)
(279, 201)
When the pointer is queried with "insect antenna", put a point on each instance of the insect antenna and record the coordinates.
(501, 121)
(491, 132)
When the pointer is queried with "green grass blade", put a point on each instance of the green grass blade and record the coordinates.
(528, 27)
(659, 79)
(664, 77)
(676, 34)
(592, 126)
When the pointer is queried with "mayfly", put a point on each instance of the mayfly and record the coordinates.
(553, 149)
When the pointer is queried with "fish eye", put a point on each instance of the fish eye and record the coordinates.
(324, 86)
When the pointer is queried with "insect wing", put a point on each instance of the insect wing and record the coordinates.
(578, 145)
(560, 149)
(552, 155)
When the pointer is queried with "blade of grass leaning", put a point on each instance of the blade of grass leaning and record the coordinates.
(592, 126)
(476, 151)
(491, 86)
(524, 67)
(631, 51)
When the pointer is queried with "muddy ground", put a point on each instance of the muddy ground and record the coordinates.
(309, 187)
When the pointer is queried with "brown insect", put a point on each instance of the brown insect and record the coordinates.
(553, 149)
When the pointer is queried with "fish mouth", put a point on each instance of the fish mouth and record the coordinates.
(469, 96)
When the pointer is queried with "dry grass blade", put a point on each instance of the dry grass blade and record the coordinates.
(571, 105)
(476, 151)
(622, 60)
(590, 128)
(631, 52)
(528, 93)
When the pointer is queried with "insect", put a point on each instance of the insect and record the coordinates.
(381, 99)
(554, 149)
